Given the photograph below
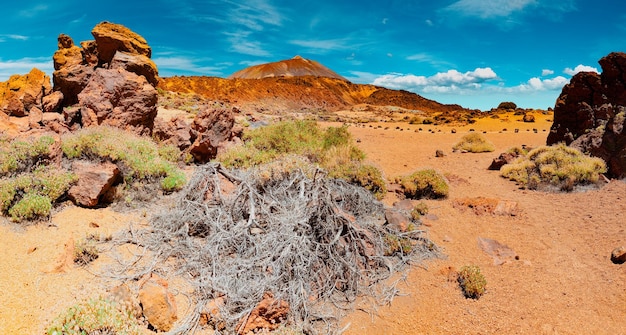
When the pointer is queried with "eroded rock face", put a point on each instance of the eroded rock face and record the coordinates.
(118, 98)
(138, 64)
(590, 114)
(176, 132)
(22, 92)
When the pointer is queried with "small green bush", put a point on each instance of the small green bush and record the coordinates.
(97, 316)
(22, 155)
(474, 142)
(31, 206)
(426, 183)
(330, 149)
(140, 158)
(85, 251)
(557, 166)
(472, 281)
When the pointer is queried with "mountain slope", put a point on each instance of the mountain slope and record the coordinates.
(294, 67)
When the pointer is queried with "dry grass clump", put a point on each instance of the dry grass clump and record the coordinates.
(474, 142)
(426, 183)
(312, 241)
(556, 166)
(85, 251)
(96, 316)
(472, 281)
(330, 148)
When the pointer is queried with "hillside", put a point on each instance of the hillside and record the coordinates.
(298, 93)
(295, 67)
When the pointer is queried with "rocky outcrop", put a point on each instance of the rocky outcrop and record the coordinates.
(174, 132)
(118, 98)
(590, 114)
(138, 64)
(21, 93)
(211, 128)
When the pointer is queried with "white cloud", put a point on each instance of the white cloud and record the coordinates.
(254, 14)
(580, 68)
(33, 11)
(24, 65)
(323, 46)
(429, 23)
(430, 59)
(538, 84)
(489, 8)
(4, 37)
(240, 43)
(442, 82)
(385, 20)
(546, 72)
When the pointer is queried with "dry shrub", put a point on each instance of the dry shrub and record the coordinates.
(559, 166)
(426, 183)
(474, 142)
(472, 281)
(317, 243)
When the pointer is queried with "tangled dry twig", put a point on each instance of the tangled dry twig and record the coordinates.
(314, 242)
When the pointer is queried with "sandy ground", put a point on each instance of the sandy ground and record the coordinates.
(563, 282)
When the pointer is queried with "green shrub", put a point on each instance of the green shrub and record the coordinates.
(472, 281)
(31, 206)
(138, 157)
(426, 183)
(22, 155)
(558, 166)
(97, 316)
(474, 142)
(30, 195)
(330, 149)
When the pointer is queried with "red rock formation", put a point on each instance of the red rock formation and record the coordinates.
(211, 128)
(111, 37)
(22, 92)
(120, 99)
(94, 182)
(590, 113)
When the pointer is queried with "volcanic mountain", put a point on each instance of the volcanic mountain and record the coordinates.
(299, 84)
(295, 67)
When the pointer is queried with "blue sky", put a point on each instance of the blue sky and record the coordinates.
(476, 53)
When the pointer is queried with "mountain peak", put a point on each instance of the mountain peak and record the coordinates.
(297, 66)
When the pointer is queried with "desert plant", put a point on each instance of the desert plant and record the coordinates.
(138, 157)
(557, 166)
(474, 142)
(329, 148)
(426, 183)
(472, 281)
(18, 156)
(418, 210)
(96, 316)
(85, 250)
(30, 195)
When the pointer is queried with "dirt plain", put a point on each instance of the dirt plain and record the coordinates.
(562, 283)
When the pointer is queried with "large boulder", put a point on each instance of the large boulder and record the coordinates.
(111, 37)
(118, 98)
(590, 114)
(22, 92)
(211, 129)
(176, 132)
(68, 54)
(94, 183)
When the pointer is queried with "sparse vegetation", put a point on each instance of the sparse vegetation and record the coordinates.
(474, 142)
(331, 149)
(96, 316)
(139, 158)
(554, 166)
(19, 156)
(85, 251)
(472, 281)
(418, 210)
(426, 183)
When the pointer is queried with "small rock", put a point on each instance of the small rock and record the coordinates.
(439, 153)
(94, 182)
(618, 256)
(500, 253)
(396, 220)
(268, 314)
(158, 303)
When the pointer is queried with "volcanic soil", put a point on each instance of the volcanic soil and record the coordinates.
(563, 281)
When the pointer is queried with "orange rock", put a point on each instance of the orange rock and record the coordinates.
(111, 37)
(268, 314)
(158, 303)
(22, 92)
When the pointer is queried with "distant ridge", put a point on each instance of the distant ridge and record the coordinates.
(295, 67)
